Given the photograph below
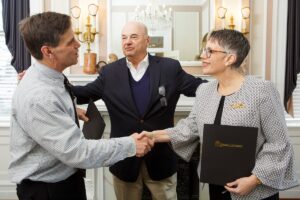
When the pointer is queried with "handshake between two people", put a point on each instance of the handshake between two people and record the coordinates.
(146, 140)
(143, 143)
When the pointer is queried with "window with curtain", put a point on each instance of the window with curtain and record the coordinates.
(8, 74)
(296, 100)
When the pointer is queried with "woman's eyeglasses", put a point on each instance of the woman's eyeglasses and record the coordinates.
(209, 51)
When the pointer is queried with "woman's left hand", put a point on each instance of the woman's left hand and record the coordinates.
(242, 186)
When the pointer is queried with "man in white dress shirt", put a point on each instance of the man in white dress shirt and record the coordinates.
(47, 147)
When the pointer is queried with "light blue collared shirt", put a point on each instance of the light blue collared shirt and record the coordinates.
(46, 144)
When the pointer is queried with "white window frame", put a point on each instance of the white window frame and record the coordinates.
(279, 35)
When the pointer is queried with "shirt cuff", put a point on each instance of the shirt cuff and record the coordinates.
(131, 146)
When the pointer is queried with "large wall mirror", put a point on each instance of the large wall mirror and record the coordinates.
(181, 39)
(189, 21)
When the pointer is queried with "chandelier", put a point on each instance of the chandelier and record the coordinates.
(154, 16)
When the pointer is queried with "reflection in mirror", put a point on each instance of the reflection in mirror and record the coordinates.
(182, 40)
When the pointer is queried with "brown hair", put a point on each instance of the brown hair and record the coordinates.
(43, 29)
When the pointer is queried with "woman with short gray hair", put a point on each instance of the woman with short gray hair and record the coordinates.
(259, 106)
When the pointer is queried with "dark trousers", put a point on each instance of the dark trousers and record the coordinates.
(217, 192)
(72, 188)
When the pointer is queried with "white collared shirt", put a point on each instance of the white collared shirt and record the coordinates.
(138, 73)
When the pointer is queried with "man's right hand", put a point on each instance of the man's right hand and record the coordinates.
(82, 114)
(143, 144)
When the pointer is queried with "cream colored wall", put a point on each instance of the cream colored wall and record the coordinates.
(258, 38)
(269, 40)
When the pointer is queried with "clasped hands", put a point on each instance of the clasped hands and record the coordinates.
(144, 143)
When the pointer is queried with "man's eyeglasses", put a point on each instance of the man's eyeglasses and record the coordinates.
(208, 52)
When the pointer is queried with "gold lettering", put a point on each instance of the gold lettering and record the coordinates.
(219, 144)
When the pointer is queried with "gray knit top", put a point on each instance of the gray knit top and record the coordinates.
(255, 104)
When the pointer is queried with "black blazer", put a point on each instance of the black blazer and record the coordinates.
(113, 87)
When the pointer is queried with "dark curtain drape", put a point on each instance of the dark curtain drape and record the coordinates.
(292, 52)
(13, 12)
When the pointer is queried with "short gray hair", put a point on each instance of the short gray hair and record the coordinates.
(232, 41)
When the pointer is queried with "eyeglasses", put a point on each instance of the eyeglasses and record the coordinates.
(208, 52)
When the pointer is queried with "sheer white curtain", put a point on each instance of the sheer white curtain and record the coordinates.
(8, 75)
(296, 100)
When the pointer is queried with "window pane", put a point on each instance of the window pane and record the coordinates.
(8, 80)
(296, 96)
(1, 21)
(296, 100)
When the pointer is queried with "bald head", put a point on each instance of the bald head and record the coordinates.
(135, 40)
(137, 26)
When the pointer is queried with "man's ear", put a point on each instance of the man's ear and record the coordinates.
(230, 59)
(148, 40)
(46, 51)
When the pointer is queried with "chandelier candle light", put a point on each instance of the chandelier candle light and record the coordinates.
(154, 16)
(87, 37)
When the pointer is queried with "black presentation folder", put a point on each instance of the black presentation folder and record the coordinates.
(228, 153)
(94, 128)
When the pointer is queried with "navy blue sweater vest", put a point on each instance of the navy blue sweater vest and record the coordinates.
(141, 92)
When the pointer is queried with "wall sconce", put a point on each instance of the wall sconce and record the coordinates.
(245, 11)
(231, 24)
(222, 14)
(246, 15)
(87, 37)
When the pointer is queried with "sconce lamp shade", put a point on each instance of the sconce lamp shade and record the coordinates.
(75, 12)
(93, 9)
(245, 12)
(222, 12)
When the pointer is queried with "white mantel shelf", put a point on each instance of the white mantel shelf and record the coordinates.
(184, 105)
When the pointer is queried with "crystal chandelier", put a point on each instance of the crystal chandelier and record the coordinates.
(154, 16)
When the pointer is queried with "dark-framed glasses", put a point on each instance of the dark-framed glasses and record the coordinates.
(209, 51)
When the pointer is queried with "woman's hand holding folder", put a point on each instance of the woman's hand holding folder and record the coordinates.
(243, 186)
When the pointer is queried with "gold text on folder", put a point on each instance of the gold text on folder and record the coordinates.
(219, 144)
